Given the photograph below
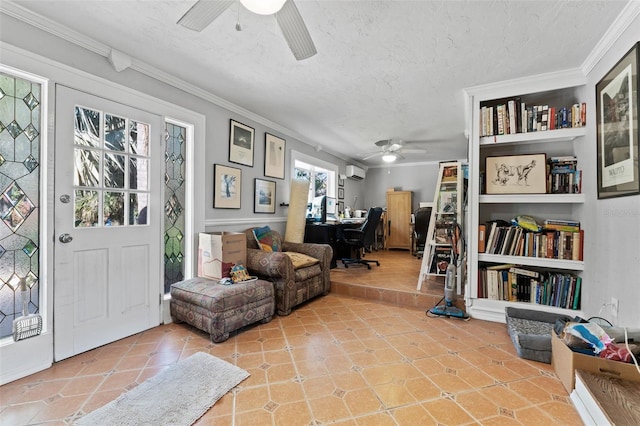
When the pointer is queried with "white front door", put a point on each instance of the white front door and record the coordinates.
(108, 221)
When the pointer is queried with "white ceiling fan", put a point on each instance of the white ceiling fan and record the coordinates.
(288, 17)
(391, 149)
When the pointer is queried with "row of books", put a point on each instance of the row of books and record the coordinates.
(554, 241)
(563, 176)
(511, 116)
(517, 284)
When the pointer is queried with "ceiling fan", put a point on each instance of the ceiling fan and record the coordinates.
(390, 150)
(288, 17)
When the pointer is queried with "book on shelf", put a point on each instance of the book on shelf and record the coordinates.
(511, 115)
(482, 234)
(562, 240)
(520, 284)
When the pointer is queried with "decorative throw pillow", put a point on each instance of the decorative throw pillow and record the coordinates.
(300, 260)
(265, 239)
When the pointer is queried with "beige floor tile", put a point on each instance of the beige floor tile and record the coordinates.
(337, 359)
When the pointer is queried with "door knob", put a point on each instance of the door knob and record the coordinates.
(65, 238)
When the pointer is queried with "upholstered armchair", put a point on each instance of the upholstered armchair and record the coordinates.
(293, 285)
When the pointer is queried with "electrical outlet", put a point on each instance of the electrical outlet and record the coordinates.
(614, 309)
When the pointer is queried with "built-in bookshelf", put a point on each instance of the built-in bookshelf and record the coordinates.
(542, 115)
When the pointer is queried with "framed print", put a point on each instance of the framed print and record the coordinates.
(340, 206)
(340, 181)
(517, 174)
(227, 182)
(264, 196)
(274, 155)
(617, 128)
(241, 139)
(340, 193)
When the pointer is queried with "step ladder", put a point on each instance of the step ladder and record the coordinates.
(444, 241)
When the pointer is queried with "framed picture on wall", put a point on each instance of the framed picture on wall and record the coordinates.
(340, 206)
(617, 128)
(227, 182)
(340, 193)
(517, 174)
(274, 156)
(340, 181)
(264, 196)
(241, 142)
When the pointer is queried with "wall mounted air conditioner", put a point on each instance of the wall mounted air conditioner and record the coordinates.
(355, 172)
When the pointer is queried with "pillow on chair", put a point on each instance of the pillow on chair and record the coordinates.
(300, 260)
(265, 239)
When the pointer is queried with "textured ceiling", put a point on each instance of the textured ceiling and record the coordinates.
(384, 69)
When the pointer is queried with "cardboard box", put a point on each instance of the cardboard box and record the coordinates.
(218, 252)
(565, 362)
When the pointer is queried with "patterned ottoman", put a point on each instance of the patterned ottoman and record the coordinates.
(220, 309)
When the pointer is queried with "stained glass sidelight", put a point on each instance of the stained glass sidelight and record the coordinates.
(174, 217)
(20, 127)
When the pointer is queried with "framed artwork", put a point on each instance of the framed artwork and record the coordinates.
(517, 174)
(227, 182)
(617, 128)
(241, 142)
(340, 206)
(264, 196)
(274, 156)
(340, 181)
(340, 193)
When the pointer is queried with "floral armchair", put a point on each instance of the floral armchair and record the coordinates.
(292, 285)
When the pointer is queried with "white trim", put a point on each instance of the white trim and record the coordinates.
(17, 357)
(245, 222)
(13, 359)
(619, 26)
(81, 40)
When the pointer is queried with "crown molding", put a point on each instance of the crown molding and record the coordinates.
(56, 29)
(620, 25)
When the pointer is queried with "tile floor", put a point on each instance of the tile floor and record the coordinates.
(338, 359)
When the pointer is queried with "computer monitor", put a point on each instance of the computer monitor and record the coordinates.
(317, 211)
(332, 209)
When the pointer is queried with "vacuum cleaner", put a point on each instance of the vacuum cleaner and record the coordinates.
(448, 309)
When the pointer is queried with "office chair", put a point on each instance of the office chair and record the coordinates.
(363, 237)
(420, 229)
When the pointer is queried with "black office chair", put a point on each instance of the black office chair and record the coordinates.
(420, 227)
(362, 238)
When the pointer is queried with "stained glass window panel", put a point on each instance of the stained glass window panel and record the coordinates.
(174, 229)
(19, 197)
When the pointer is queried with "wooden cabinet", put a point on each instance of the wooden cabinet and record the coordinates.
(399, 219)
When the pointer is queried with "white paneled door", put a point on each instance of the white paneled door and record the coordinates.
(108, 221)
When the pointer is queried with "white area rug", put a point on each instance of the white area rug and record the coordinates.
(179, 395)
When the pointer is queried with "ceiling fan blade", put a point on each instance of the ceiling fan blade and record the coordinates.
(376, 154)
(203, 13)
(295, 31)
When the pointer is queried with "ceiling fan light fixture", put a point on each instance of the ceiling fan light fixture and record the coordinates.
(263, 7)
(389, 158)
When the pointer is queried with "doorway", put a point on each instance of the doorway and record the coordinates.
(108, 221)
